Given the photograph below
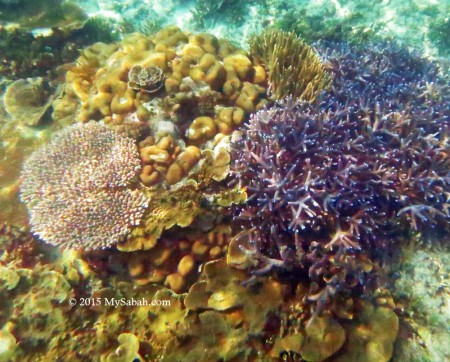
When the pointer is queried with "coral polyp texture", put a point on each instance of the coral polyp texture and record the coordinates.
(79, 188)
(191, 88)
(331, 184)
(149, 79)
(294, 67)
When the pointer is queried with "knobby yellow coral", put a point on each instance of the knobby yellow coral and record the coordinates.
(294, 67)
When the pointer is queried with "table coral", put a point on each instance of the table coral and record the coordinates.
(78, 189)
(26, 100)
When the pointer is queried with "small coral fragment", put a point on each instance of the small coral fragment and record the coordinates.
(202, 128)
(149, 79)
(182, 165)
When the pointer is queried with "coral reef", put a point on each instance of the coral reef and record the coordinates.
(197, 69)
(199, 201)
(207, 12)
(220, 317)
(64, 16)
(422, 290)
(331, 184)
(293, 67)
(38, 52)
(78, 188)
(320, 191)
(184, 92)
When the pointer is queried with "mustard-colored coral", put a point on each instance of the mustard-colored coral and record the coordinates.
(175, 85)
(174, 261)
(26, 100)
(372, 336)
(110, 90)
(293, 67)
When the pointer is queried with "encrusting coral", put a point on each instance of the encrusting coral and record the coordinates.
(175, 259)
(294, 68)
(200, 201)
(221, 316)
(78, 189)
(26, 100)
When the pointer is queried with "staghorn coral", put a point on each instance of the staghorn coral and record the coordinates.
(294, 67)
(330, 184)
(78, 189)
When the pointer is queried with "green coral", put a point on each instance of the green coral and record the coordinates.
(207, 12)
(439, 35)
(327, 26)
(294, 67)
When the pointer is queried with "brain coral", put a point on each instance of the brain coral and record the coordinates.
(78, 188)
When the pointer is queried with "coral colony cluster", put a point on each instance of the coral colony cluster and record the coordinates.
(343, 179)
(256, 191)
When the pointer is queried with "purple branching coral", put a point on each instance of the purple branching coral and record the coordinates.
(330, 184)
(78, 189)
